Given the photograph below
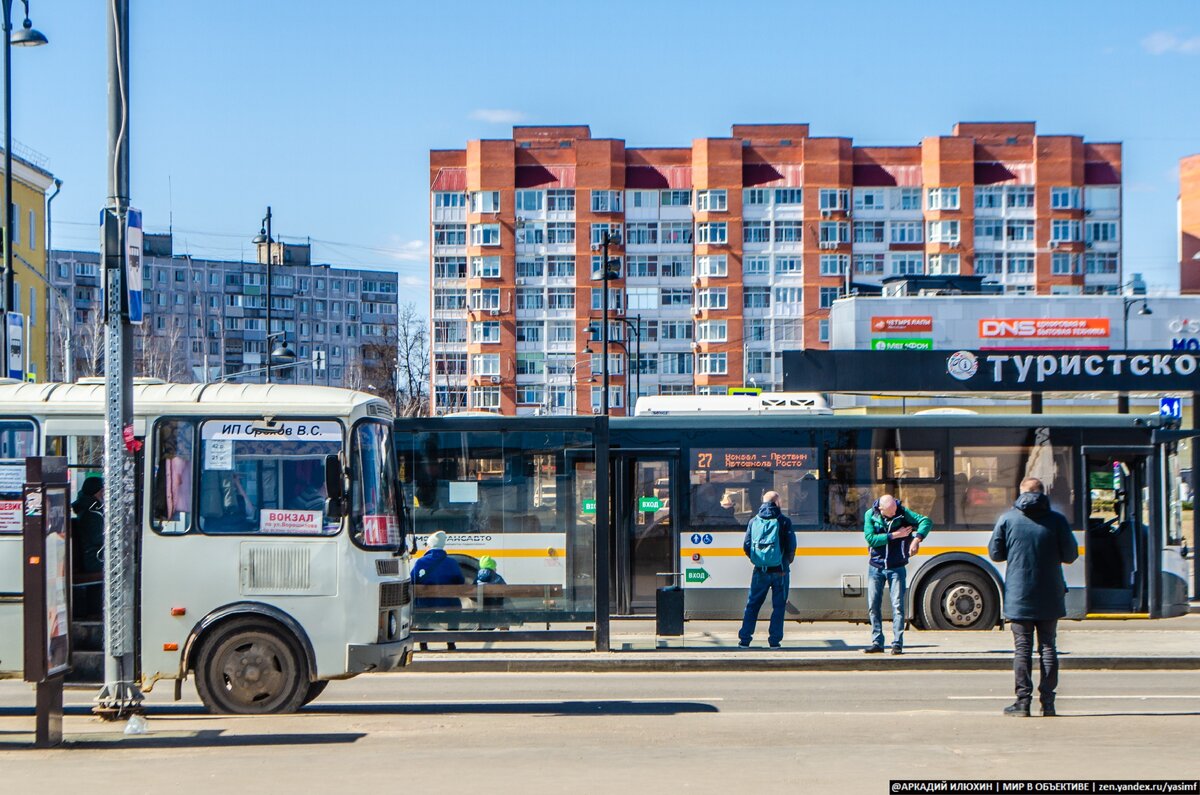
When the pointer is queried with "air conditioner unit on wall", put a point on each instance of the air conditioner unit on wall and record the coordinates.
(494, 312)
(495, 379)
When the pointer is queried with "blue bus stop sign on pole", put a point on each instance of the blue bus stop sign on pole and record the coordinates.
(1170, 407)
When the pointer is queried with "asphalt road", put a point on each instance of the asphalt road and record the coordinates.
(739, 732)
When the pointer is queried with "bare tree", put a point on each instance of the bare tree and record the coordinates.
(412, 362)
(164, 355)
(89, 345)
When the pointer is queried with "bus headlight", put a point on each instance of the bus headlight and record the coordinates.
(393, 625)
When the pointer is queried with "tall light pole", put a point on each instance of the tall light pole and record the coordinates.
(607, 274)
(67, 317)
(1129, 303)
(264, 236)
(25, 37)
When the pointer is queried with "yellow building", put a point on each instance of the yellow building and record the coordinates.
(31, 298)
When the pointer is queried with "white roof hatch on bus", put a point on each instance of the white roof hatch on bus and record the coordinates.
(765, 403)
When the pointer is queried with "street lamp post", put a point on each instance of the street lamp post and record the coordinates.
(26, 37)
(1129, 303)
(264, 236)
(610, 238)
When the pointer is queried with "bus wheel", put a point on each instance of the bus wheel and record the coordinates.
(251, 667)
(315, 689)
(959, 597)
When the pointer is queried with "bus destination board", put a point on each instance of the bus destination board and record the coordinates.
(726, 458)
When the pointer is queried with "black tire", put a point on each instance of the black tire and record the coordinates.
(315, 689)
(251, 666)
(959, 596)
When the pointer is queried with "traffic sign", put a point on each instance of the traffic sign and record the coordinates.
(15, 324)
(1170, 407)
(133, 265)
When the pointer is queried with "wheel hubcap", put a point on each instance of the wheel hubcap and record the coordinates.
(253, 670)
(962, 604)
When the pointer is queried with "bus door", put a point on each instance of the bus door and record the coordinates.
(646, 552)
(1177, 525)
(1120, 512)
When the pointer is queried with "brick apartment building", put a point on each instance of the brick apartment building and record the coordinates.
(1189, 225)
(733, 250)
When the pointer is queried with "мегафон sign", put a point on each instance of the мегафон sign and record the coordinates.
(991, 371)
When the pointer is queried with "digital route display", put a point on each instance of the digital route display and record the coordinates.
(726, 458)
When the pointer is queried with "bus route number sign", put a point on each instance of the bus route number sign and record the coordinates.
(726, 458)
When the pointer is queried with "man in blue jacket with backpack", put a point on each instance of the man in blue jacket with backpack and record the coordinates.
(771, 546)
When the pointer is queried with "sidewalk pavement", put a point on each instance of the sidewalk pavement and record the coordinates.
(708, 646)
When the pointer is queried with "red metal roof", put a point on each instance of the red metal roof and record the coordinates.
(1100, 173)
(548, 176)
(777, 175)
(658, 177)
(881, 175)
(992, 172)
(450, 180)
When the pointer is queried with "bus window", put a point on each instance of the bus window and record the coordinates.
(727, 484)
(373, 482)
(857, 478)
(270, 479)
(173, 473)
(987, 479)
(17, 440)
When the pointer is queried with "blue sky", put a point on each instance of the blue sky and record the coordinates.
(326, 111)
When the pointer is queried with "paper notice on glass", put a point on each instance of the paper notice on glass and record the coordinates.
(218, 454)
(10, 516)
(464, 491)
(12, 478)
(281, 521)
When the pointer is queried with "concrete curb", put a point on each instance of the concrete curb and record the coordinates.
(748, 662)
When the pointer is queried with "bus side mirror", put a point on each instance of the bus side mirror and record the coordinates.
(335, 487)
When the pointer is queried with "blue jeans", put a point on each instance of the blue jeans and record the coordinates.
(760, 582)
(896, 580)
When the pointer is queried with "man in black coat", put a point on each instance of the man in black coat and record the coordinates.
(1036, 541)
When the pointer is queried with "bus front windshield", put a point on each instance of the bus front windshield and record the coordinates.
(374, 520)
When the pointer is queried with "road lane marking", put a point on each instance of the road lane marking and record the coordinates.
(1076, 698)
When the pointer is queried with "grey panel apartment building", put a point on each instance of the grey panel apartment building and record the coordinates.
(206, 319)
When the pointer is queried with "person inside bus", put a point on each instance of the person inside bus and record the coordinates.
(435, 567)
(306, 487)
(88, 540)
(225, 506)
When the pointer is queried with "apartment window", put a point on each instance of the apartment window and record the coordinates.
(560, 233)
(835, 232)
(834, 198)
(758, 362)
(789, 296)
(943, 265)
(485, 299)
(448, 200)
(711, 201)
(675, 233)
(616, 363)
(1019, 231)
(641, 234)
(712, 331)
(756, 329)
(942, 198)
(868, 199)
(715, 265)
(531, 363)
(988, 264)
(675, 198)
(485, 201)
(643, 266)
(646, 363)
(907, 264)
(560, 200)
(869, 264)
(1101, 262)
(1063, 263)
(643, 198)
(756, 265)
(1064, 198)
(989, 198)
(675, 297)
(485, 234)
(487, 331)
(784, 265)
(485, 267)
(674, 330)
(531, 233)
(615, 299)
(788, 231)
(712, 233)
(868, 231)
(756, 232)
(1019, 264)
(485, 364)
(756, 197)
(560, 298)
(616, 263)
(1019, 196)
(600, 230)
(562, 331)
(450, 267)
(823, 330)
(640, 298)
(530, 201)
(712, 298)
(32, 231)
(712, 363)
(527, 331)
(443, 330)
(1102, 198)
(834, 264)
(529, 395)
(943, 232)
(908, 199)
(906, 232)
(989, 229)
(530, 267)
(616, 395)
(1064, 230)
(789, 196)
(1101, 231)
(675, 265)
(606, 201)
(827, 296)
(559, 266)
(485, 398)
(756, 298)
(530, 298)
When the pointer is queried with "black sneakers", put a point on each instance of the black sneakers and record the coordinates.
(897, 650)
(1019, 709)
(873, 650)
(1048, 710)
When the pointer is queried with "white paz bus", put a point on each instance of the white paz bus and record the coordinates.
(269, 554)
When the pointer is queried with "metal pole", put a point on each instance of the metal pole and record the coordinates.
(8, 181)
(120, 696)
(270, 244)
(637, 347)
(1195, 443)
(604, 328)
(64, 310)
